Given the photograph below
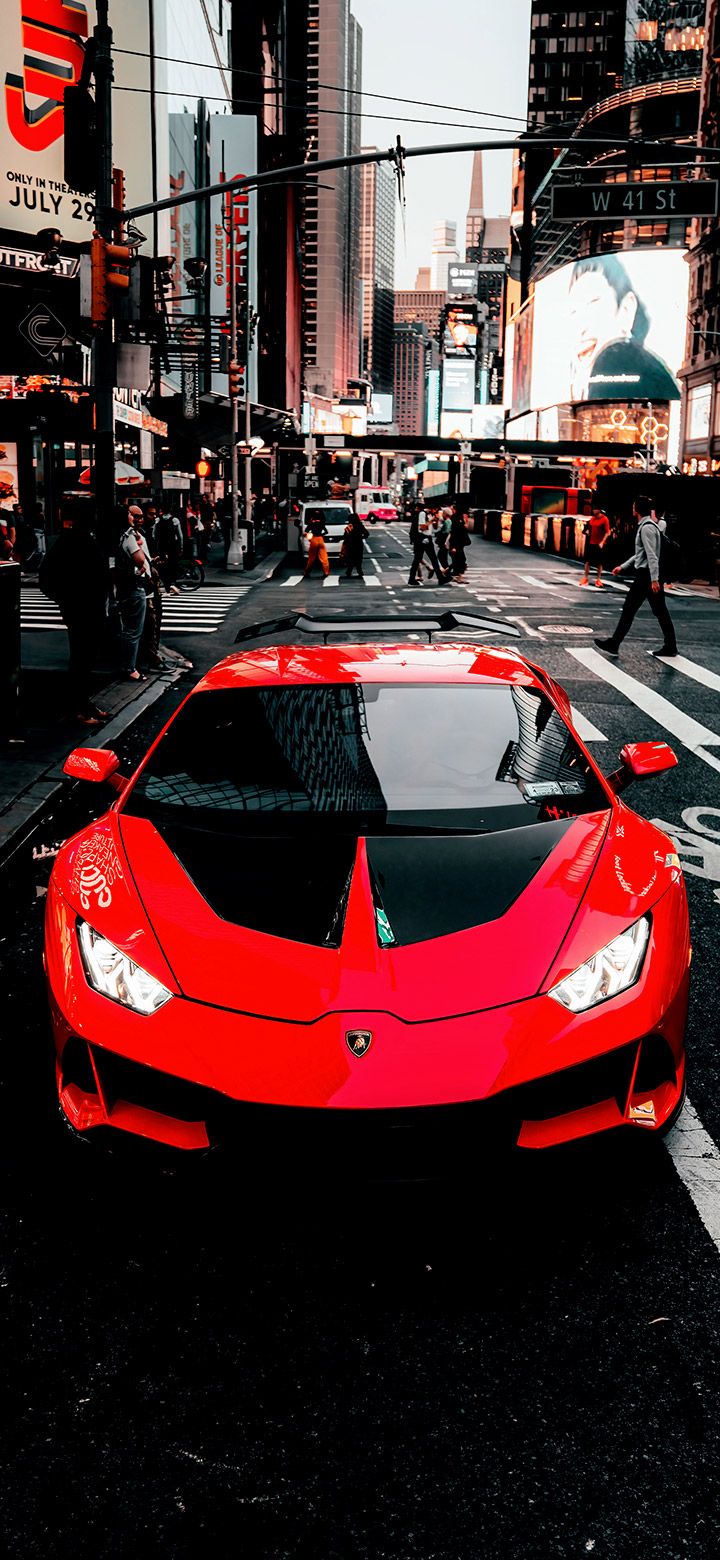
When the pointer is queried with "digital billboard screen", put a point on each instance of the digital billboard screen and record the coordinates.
(463, 280)
(458, 385)
(610, 328)
(460, 331)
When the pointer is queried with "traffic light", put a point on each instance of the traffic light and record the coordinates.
(110, 271)
(79, 141)
(202, 468)
(234, 377)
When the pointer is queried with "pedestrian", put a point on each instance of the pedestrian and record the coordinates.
(442, 538)
(7, 535)
(133, 580)
(167, 544)
(421, 536)
(458, 542)
(316, 534)
(597, 531)
(149, 651)
(647, 583)
(75, 574)
(353, 547)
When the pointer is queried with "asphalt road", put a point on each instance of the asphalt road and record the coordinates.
(522, 1363)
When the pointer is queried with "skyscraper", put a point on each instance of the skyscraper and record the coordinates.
(332, 207)
(377, 272)
(576, 58)
(411, 342)
(444, 251)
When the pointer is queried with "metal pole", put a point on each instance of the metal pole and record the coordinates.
(248, 423)
(104, 354)
(649, 441)
(235, 557)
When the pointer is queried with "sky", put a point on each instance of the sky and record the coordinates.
(475, 59)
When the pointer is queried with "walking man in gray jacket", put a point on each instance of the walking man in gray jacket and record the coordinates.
(646, 584)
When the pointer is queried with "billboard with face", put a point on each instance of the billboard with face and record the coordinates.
(460, 331)
(610, 328)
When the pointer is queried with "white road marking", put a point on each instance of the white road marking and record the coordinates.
(532, 633)
(585, 729)
(292, 579)
(331, 579)
(680, 663)
(537, 579)
(693, 735)
(697, 1162)
(370, 581)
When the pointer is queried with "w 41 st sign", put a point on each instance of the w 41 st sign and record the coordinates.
(661, 199)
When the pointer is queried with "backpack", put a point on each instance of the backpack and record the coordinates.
(670, 558)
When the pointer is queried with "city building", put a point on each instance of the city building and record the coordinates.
(410, 350)
(331, 239)
(424, 305)
(701, 369)
(378, 196)
(422, 279)
(487, 243)
(444, 251)
(576, 58)
(619, 384)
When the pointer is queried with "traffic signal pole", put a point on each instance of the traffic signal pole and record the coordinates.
(235, 557)
(104, 347)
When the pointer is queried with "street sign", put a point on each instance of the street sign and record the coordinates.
(244, 449)
(605, 202)
(43, 330)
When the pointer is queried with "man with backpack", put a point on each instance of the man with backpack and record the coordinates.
(649, 566)
(133, 585)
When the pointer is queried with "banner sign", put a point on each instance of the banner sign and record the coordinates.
(42, 46)
(233, 153)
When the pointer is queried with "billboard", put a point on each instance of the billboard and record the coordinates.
(8, 476)
(381, 408)
(456, 425)
(184, 220)
(458, 384)
(463, 280)
(608, 328)
(460, 330)
(233, 152)
(42, 48)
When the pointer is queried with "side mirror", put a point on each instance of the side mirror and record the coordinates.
(95, 764)
(641, 760)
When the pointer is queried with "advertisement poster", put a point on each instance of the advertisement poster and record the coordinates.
(603, 330)
(458, 385)
(42, 48)
(184, 239)
(456, 425)
(8, 476)
(233, 153)
(463, 279)
(460, 331)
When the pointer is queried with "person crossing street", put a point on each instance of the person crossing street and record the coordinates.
(317, 551)
(647, 584)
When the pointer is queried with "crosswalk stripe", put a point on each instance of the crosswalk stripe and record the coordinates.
(693, 735)
(585, 729)
(331, 579)
(372, 580)
(680, 663)
(537, 580)
(292, 579)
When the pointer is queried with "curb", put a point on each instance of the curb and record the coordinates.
(30, 808)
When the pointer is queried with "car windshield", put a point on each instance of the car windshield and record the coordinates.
(367, 758)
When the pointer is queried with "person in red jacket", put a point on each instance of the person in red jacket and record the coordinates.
(597, 532)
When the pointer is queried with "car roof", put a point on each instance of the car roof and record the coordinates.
(326, 503)
(377, 663)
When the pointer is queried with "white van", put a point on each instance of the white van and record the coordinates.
(335, 514)
(374, 503)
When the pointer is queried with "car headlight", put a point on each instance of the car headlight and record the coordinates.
(608, 972)
(114, 975)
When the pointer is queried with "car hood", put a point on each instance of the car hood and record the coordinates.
(423, 927)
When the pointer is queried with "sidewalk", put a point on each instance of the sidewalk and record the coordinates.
(31, 773)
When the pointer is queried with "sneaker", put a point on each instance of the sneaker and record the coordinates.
(583, 582)
(665, 651)
(607, 645)
(599, 585)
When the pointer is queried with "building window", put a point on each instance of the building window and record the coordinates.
(698, 412)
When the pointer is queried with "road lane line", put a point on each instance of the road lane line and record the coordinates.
(693, 735)
(680, 663)
(697, 1162)
(585, 729)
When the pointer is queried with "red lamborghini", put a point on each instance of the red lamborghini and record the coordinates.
(364, 889)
